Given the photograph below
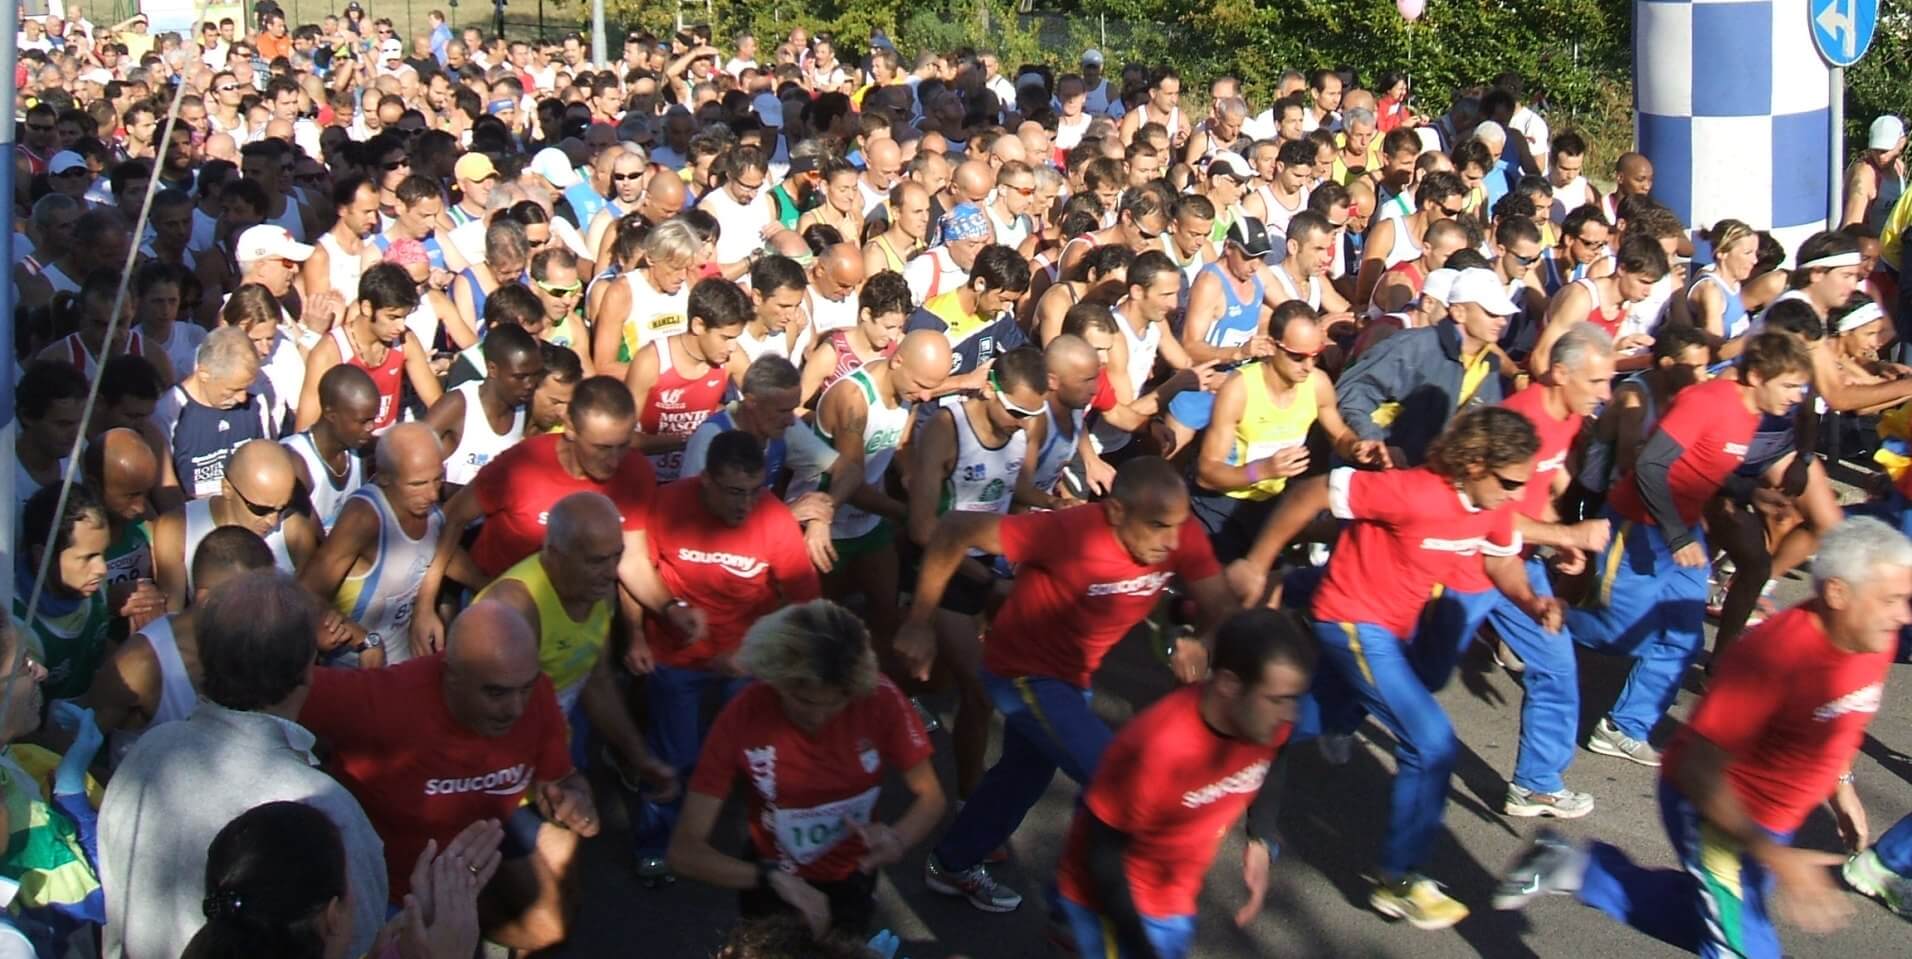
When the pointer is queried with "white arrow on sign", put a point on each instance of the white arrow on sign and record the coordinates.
(1836, 20)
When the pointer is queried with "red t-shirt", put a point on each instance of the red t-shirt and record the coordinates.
(1174, 787)
(1790, 709)
(1410, 529)
(1078, 591)
(1556, 437)
(1714, 426)
(805, 787)
(517, 489)
(735, 575)
(418, 773)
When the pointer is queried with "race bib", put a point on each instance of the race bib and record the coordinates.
(1259, 451)
(805, 835)
(1234, 338)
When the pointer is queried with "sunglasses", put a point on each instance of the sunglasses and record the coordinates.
(71, 172)
(257, 509)
(227, 87)
(1454, 210)
(1525, 260)
(1002, 396)
(627, 177)
(1296, 356)
(1511, 486)
(1148, 234)
(1022, 190)
(569, 289)
(396, 164)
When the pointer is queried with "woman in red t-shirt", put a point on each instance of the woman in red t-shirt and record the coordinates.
(811, 742)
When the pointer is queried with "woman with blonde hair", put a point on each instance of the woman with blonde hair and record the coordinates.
(1713, 299)
(811, 743)
(648, 301)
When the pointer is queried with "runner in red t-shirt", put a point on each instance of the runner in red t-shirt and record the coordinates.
(1085, 576)
(681, 382)
(1772, 740)
(435, 744)
(1577, 378)
(1171, 785)
(724, 553)
(1405, 533)
(1649, 597)
(812, 744)
(514, 494)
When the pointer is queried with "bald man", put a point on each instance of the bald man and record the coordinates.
(447, 749)
(866, 417)
(374, 558)
(906, 231)
(326, 459)
(121, 469)
(1113, 559)
(154, 677)
(574, 576)
(973, 181)
(662, 199)
(835, 279)
(630, 174)
(221, 146)
(882, 166)
(257, 493)
(1075, 377)
(1007, 149)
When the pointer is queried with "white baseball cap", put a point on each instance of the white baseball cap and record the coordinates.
(1439, 284)
(553, 165)
(266, 242)
(63, 161)
(1484, 288)
(1886, 133)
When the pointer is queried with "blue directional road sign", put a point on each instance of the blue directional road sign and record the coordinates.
(1843, 29)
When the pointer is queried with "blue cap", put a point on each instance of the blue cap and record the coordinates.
(966, 222)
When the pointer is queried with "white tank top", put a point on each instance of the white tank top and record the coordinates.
(1068, 134)
(776, 344)
(1057, 450)
(653, 315)
(1142, 350)
(329, 489)
(742, 225)
(984, 480)
(1172, 124)
(57, 278)
(1567, 199)
(882, 432)
(827, 315)
(343, 268)
(177, 697)
(199, 525)
(1405, 247)
(382, 599)
(1280, 216)
(1294, 292)
(477, 444)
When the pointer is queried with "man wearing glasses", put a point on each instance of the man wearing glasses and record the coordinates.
(42, 140)
(1396, 239)
(255, 493)
(225, 116)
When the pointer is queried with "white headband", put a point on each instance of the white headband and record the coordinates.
(1832, 261)
(1860, 317)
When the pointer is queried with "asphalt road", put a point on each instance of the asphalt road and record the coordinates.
(1333, 820)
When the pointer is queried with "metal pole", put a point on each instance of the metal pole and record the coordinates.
(9, 92)
(598, 55)
(1835, 180)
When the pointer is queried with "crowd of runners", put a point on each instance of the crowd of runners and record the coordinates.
(425, 443)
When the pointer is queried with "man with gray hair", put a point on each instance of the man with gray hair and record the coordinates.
(240, 748)
(211, 413)
(1772, 740)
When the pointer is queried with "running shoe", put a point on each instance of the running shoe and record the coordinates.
(1507, 659)
(1419, 900)
(1866, 874)
(1529, 804)
(1336, 748)
(1549, 866)
(1608, 740)
(974, 884)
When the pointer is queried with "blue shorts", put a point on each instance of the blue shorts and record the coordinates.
(1172, 936)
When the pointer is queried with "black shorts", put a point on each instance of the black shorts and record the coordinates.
(1232, 523)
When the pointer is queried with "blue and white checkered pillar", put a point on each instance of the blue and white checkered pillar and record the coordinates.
(1731, 106)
